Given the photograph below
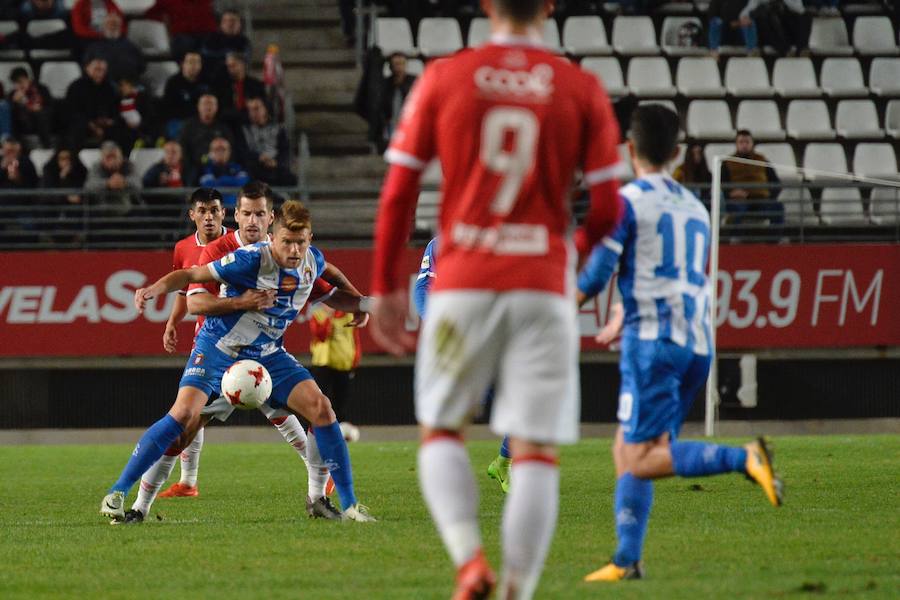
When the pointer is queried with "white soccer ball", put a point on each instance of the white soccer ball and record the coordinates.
(350, 432)
(246, 384)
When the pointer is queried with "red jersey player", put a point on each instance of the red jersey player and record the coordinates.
(510, 123)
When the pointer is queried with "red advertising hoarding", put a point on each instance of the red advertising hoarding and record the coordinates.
(811, 296)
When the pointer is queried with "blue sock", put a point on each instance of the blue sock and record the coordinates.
(633, 500)
(150, 447)
(333, 449)
(697, 459)
(504, 447)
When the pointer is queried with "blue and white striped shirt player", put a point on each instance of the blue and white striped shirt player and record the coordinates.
(253, 334)
(661, 248)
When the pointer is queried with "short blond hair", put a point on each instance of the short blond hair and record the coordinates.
(294, 216)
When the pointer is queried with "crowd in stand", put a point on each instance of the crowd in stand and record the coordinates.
(212, 122)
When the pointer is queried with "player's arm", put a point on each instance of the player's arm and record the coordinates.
(211, 305)
(171, 282)
(601, 264)
(179, 310)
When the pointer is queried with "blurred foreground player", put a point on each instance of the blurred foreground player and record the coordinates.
(510, 123)
(661, 247)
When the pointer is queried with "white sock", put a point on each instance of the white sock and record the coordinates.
(448, 485)
(316, 470)
(190, 460)
(292, 432)
(152, 480)
(529, 521)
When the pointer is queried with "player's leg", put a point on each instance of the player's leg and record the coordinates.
(537, 405)
(498, 470)
(186, 486)
(456, 362)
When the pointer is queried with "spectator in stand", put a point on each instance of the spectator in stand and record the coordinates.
(136, 124)
(122, 56)
(42, 9)
(693, 171)
(394, 91)
(726, 19)
(113, 181)
(6, 122)
(829, 8)
(32, 106)
(88, 17)
(167, 172)
(782, 24)
(188, 21)
(741, 202)
(234, 88)
(197, 134)
(221, 172)
(16, 169)
(65, 170)
(32, 10)
(228, 39)
(266, 146)
(182, 92)
(336, 350)
(91, 106)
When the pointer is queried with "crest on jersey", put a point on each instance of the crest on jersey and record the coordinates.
(426, 262)
(288, 283)
(228, 259)
(307, 275)
(198, 358)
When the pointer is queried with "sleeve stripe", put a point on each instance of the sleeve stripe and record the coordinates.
(197, 291)
(613, 245)
(396, 157)
(605, 174)
(212, 269)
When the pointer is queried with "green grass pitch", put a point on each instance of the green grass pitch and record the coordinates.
(247, 536)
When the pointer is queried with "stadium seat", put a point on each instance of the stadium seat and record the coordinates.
(875, 160)
(874, 36)
(783, 159)
(843, 78)
(40, 157)
(842, 206)
(135, 8)
(156, 75)
(41, 27)
(669, 37)
(479, 31)
(829, 37)
(892, 119)
(797, 203)
(432, 175)
(650, 77)
(809, 120)
(824, 157)
(761, 117)
(857, 119)
(551, 36)
(585, 36)
(144, 158)
(748, 77)
(427, 211)
(439, 36)
(662, 102)
(711, 151)
(610, 73)
(625, 157)
(795, 78)
(710, 120)
(634, 36)
(8, 28)
(884, 77)
(394, 35)
(58, 75)
(699, 76)
(7, 67)
(884, 206)
(89, 157)
(150, 36)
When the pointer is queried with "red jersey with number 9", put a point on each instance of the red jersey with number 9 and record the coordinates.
(510, 123)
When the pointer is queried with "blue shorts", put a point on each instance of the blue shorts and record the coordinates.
(660, 380)
(207, 364)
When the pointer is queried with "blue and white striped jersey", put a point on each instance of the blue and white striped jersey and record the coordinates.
(661, 247)
(426, 277)
(251, 334)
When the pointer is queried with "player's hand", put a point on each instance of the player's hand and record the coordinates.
(613, 326)
(360, 319)
(389, 323)
(170, 338)
(143, 295)
(256, 300)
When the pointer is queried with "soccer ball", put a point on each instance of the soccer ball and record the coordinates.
(246, 384)
(350, 432)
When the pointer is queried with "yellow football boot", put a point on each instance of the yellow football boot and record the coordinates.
(613, 572)
(759, 469)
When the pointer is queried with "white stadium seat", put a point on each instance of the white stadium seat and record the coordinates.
(884, 77)
(875, 159)
(841, 206)
(874, 36)
(761, 118)
(551, 36)
(584, 36)
(156, 75)
(711, 151)
(748, 77)
(610, 73)
(479, 31)
(809, 120)
(150, 36)
(41, 27)
(795, 78)
(58, 75)
(650, 77)
(135, 8)
(824, 157)
(439, 36)
(40, 157)
(843, 78)
(782, 156)
(709, 119)
(892, 119)
(669, 37)
(829, 37)
(427, 211)
(394, 35)
(699, 76)
(625, 157)
(857, 119)
(634, 36)
(89, 157)
(144, 158)
(796, 200)
(432, 175)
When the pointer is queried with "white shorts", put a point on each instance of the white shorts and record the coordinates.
(523, 342)
(221, 409)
